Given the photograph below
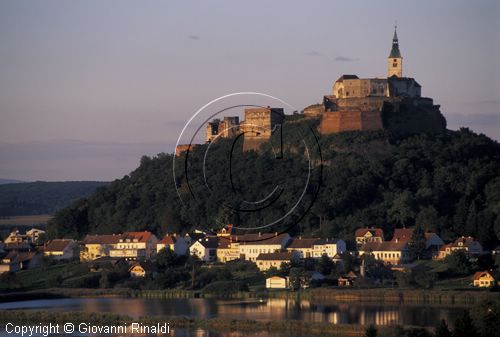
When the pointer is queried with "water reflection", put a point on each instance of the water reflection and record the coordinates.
(268, 310)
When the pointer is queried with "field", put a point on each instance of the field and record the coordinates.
(25, 220)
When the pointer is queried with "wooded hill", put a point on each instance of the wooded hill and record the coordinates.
(448, 182)
(42, 197)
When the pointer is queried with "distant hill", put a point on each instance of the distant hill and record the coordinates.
(448, 183)
(10, 181)
(42, 197)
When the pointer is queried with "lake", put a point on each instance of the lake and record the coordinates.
(266, 310)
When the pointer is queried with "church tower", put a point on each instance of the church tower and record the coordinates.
(395, 60)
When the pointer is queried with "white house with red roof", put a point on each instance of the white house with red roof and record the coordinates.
(60, 249)
(371, 234)
(205, 249)
(467, 244)
(252, 245)
(174, 242)
(135, 246)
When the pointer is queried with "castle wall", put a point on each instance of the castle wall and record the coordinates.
(353, 88)
(258, 126)
(350, 120)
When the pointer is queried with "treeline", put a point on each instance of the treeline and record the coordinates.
(448, 183)
(42, 197)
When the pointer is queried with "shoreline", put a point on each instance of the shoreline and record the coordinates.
(377, 295)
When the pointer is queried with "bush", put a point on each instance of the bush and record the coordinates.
(224, 288)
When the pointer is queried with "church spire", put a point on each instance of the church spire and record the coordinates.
(395, 45)
(395, 60)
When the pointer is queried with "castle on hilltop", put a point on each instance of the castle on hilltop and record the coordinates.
(394, 103)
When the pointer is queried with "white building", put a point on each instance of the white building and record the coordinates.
(276, 282)
(252, 245)
(315, 247)
(61, 249)
(174, 242)
(135, 245)
(205, 249)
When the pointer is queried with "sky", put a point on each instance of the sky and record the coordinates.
(88, 87)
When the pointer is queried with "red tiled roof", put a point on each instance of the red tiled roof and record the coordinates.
(303, 243)
(224, 243)
(136, 236)
(493, 274)
(106, 239)
(402, 234)
(57, 245)
(375, 232)
(259, 239)
(14, 256)
(169, 239)
(466, 241)
(443, 247)
(147, 266)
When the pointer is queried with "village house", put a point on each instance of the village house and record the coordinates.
(252, 245)
(192, 237)
(387, 251)
(60, 249)
(265, 261)
(227, 250)
(315, 247)
(174, 242)
(17, 237)
(277, 282)
(486, 279)
(468, 245)
(97, 246)
(28, 237)
(205, 249)
(433, 242)
(330, 247)
(35, 234)
(364, 235)
(143, 269)
(135, 246)
(347, 280)
(15, 261)
(405, 235)
(303, 246)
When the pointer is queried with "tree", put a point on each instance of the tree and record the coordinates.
(428, 218)
(458, 263)
(442, 329)
(325, 265)
(417, 243)
(464, 326)
(297, 278)
(104, 281)
(487, 316)
(166, 258)
(402, 210)
(371, 331)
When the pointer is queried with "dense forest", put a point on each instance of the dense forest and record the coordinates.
(448, 182)
(42, 197)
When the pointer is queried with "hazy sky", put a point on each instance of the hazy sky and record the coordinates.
(87, 87)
